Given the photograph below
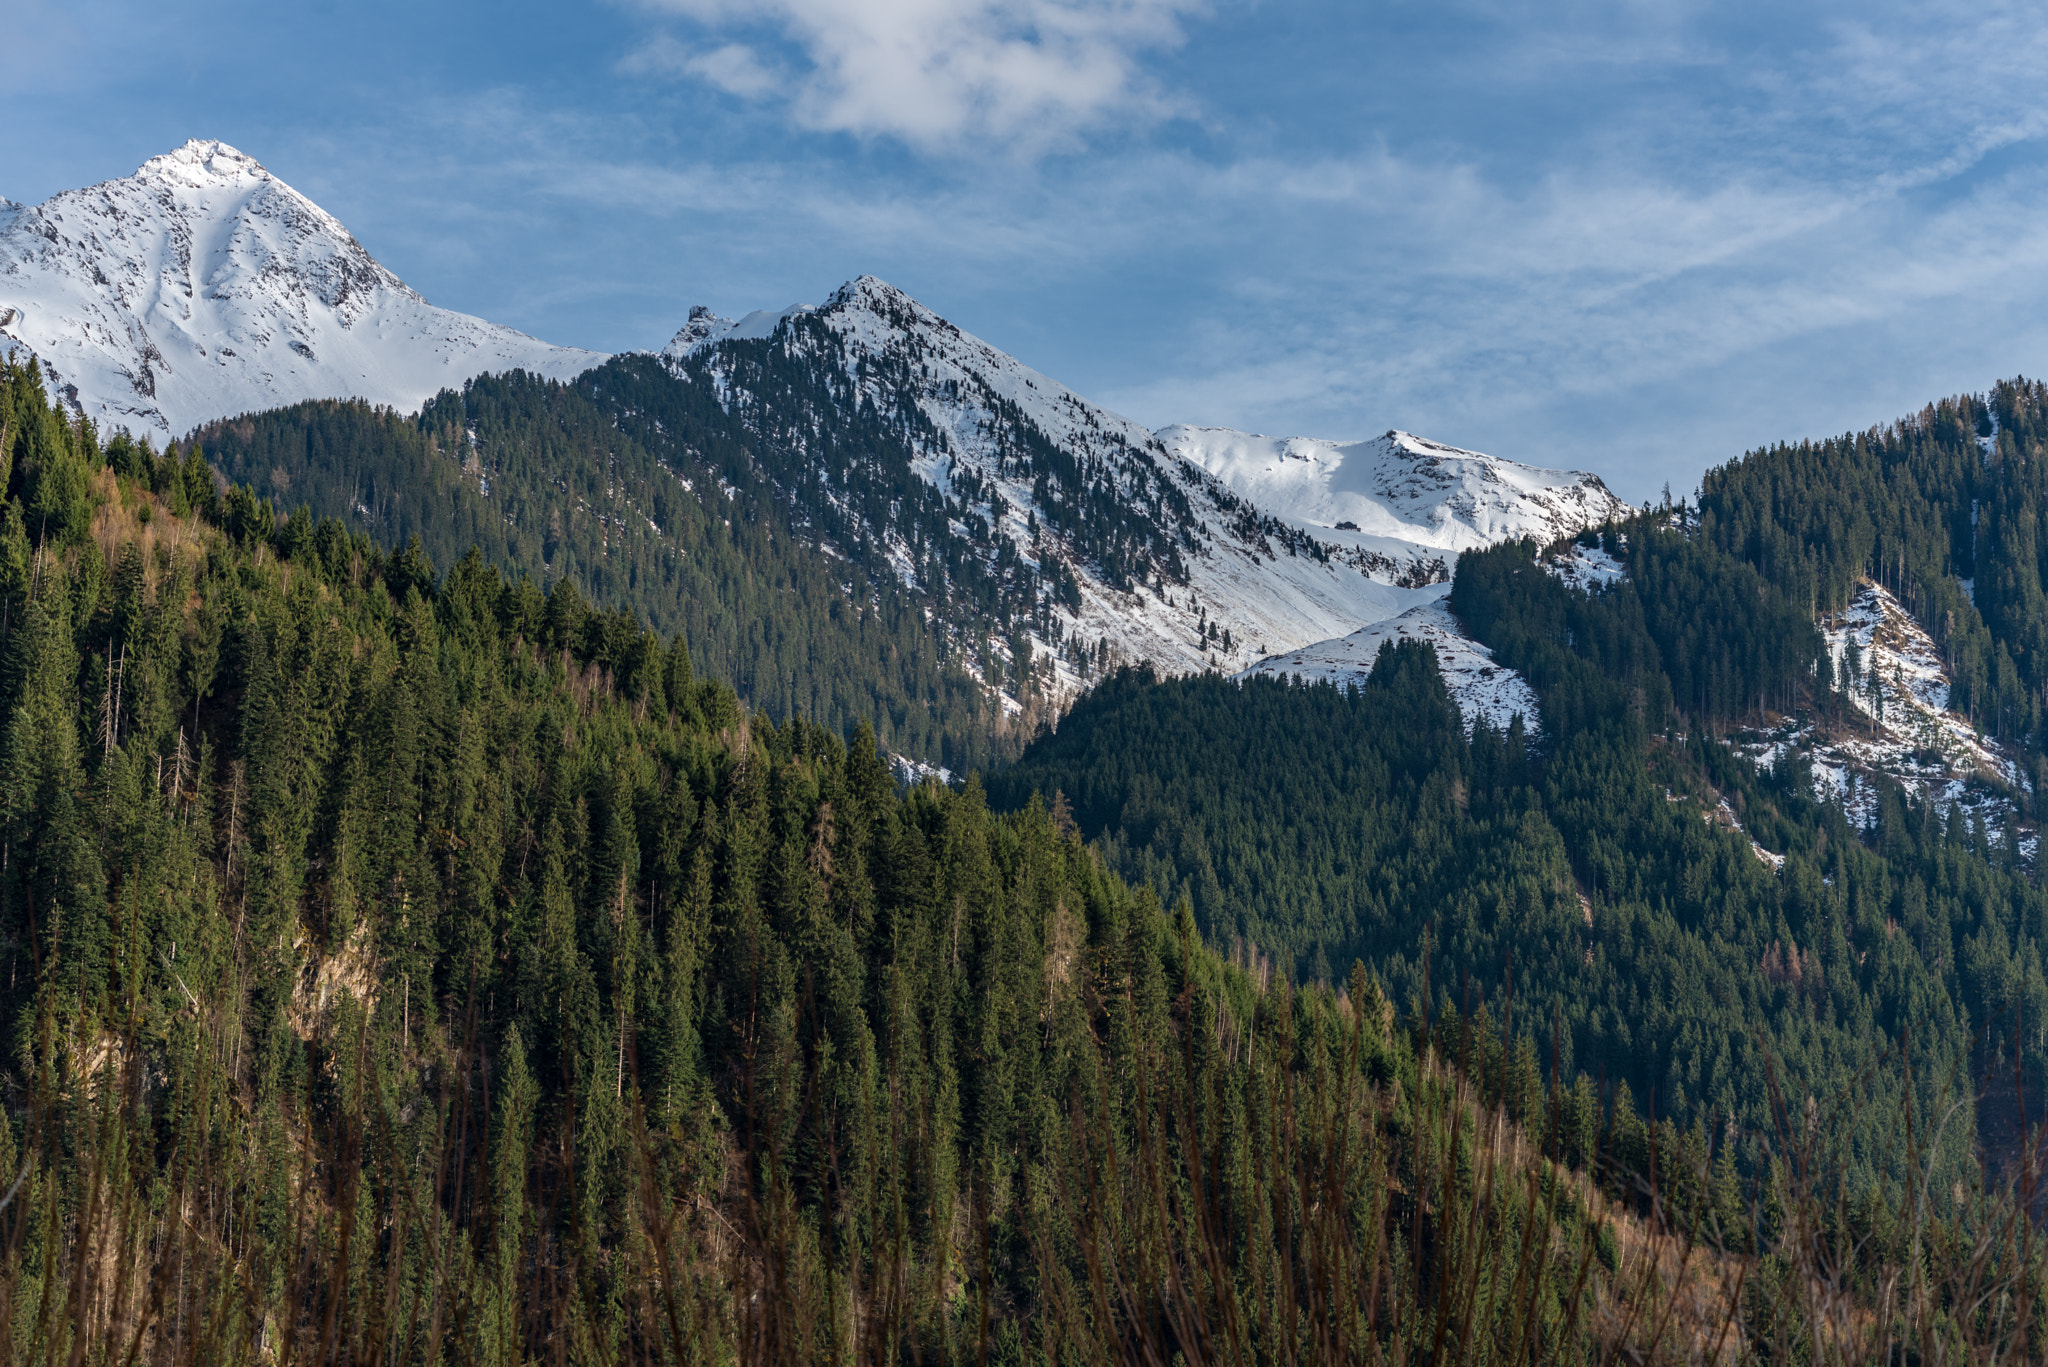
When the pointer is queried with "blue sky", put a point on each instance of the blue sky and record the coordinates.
(1636, 238)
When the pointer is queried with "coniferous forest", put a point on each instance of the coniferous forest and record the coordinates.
(412, 960)
(541, 478)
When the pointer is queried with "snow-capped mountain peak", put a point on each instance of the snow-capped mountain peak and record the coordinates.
(203, 286)
(202, 161)
(1398, 486)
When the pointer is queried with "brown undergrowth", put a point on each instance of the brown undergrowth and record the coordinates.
(1387, 1207)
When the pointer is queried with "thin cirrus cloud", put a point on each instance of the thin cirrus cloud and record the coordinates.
(734, 68)
(941, 75)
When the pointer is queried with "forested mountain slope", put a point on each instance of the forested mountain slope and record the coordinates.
(1607, 867)
(685, 533)
(1939, 508)
(397, 973)
(409, 965)
(859, 511)
(1064, 537)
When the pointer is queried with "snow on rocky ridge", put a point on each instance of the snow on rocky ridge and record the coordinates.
(1400, 505)
(203, 286)
(1907, 731)
(1278, 562)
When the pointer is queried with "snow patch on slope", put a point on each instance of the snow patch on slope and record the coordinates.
(1905, 728)
(203, 286)
(1480, 687)
(1584, 567)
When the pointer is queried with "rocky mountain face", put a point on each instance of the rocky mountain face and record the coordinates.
(1060, 538)
(203, 286)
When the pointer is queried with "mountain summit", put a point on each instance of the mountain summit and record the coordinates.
(203, 286)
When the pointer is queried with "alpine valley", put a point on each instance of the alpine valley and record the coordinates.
(818, 843)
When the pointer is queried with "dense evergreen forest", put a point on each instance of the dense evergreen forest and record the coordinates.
(417, 967)
(1307, 827)
(670, 519)
(1590, 863)
(420, 967)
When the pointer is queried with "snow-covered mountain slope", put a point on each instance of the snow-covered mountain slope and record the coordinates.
(1062, 537)
(1402, 504)
(1480, 687)
(203, 286)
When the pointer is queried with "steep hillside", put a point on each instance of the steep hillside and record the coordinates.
(394, 975)
(203, 286)
(685, 535)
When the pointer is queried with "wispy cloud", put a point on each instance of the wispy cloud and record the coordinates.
(942, 75)
(732, 67)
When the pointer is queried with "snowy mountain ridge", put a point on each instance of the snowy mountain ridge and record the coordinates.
(1399, 503)
(202, 287)
(1029, 476)
(1204, 571)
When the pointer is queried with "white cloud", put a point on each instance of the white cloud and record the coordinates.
(734, 68)
(939, 74)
